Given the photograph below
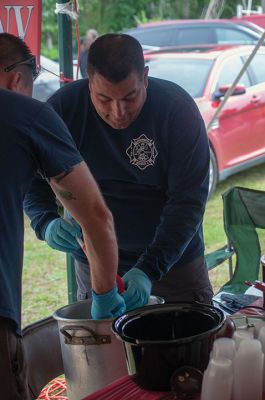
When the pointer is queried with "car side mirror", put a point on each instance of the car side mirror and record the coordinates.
(221, 91)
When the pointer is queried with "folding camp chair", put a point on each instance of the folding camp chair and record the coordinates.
(243, 212)
(43, 354)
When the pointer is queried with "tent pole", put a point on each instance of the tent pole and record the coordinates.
(65, 42)
(66, 70)
(233, 85)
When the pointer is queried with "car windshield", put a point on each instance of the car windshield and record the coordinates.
(188, 73)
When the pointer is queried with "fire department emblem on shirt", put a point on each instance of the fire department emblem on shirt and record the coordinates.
(142, 152)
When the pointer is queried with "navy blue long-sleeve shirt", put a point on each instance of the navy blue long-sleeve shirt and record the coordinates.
(33, 140)
(153, 175)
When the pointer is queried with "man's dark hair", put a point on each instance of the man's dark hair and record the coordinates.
(115, 56)
(12, 49)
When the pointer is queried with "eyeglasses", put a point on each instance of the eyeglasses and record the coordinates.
(30, 62)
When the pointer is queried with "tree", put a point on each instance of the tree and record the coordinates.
(49, 29)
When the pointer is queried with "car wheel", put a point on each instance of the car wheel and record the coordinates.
(213, 173)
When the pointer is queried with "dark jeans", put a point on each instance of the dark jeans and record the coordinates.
(188, 282)
(13, 372)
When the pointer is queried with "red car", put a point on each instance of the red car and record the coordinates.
(237, 135)
(184, 32)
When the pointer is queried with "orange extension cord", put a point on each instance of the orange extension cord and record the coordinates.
(56, 390)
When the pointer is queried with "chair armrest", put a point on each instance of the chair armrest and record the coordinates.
(217, 257)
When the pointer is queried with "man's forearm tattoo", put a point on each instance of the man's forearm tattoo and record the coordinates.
(67, 195)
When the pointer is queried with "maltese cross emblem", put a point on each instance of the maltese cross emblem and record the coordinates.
(142, 152)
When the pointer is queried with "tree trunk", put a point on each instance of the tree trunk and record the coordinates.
(186, 9)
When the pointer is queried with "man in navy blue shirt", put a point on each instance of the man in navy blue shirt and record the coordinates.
(35, 140)
(146, 145)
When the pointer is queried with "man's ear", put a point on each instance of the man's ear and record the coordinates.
(89, 85)
(15, 81)
(18, 83)
(146, 70)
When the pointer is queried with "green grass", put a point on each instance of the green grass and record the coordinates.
(44, 277)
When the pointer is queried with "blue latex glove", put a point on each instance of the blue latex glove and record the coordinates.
(107, 305)
(61, 234)
(137, 288)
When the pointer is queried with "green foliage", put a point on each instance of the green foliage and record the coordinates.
(52, 53)
(114, 15)
(49, 25)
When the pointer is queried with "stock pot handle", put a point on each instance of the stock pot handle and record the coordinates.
(92, 339)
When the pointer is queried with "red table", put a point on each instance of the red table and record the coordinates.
(125, 389)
